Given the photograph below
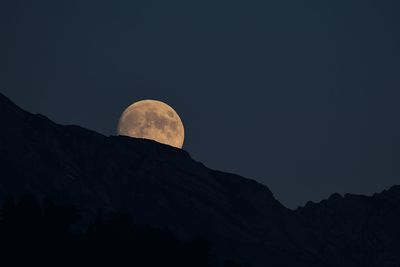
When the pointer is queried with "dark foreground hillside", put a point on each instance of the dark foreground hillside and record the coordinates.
(39, 233)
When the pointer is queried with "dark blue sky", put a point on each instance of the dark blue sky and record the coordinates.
(302, 96)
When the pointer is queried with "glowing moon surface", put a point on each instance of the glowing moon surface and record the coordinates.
(152, 119)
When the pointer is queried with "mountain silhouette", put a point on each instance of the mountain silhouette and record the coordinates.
(365, 229)
(164, 187)
(40, 233)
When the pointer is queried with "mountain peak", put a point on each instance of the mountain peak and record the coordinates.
(335, 196)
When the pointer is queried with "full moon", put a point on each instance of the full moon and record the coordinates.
(152, 119)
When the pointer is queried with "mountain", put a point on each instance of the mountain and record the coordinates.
(155, 183)
(164, 187)
(365, 229)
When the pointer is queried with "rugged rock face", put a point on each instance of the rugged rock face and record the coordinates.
(365, 229)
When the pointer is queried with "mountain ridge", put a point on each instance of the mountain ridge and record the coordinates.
(163, 186)
(364, 228)
(157, 184)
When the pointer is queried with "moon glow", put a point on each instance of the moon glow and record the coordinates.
(152, 119)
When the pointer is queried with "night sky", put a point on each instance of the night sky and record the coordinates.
(302, 96)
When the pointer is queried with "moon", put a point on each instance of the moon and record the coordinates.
(154, 120)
